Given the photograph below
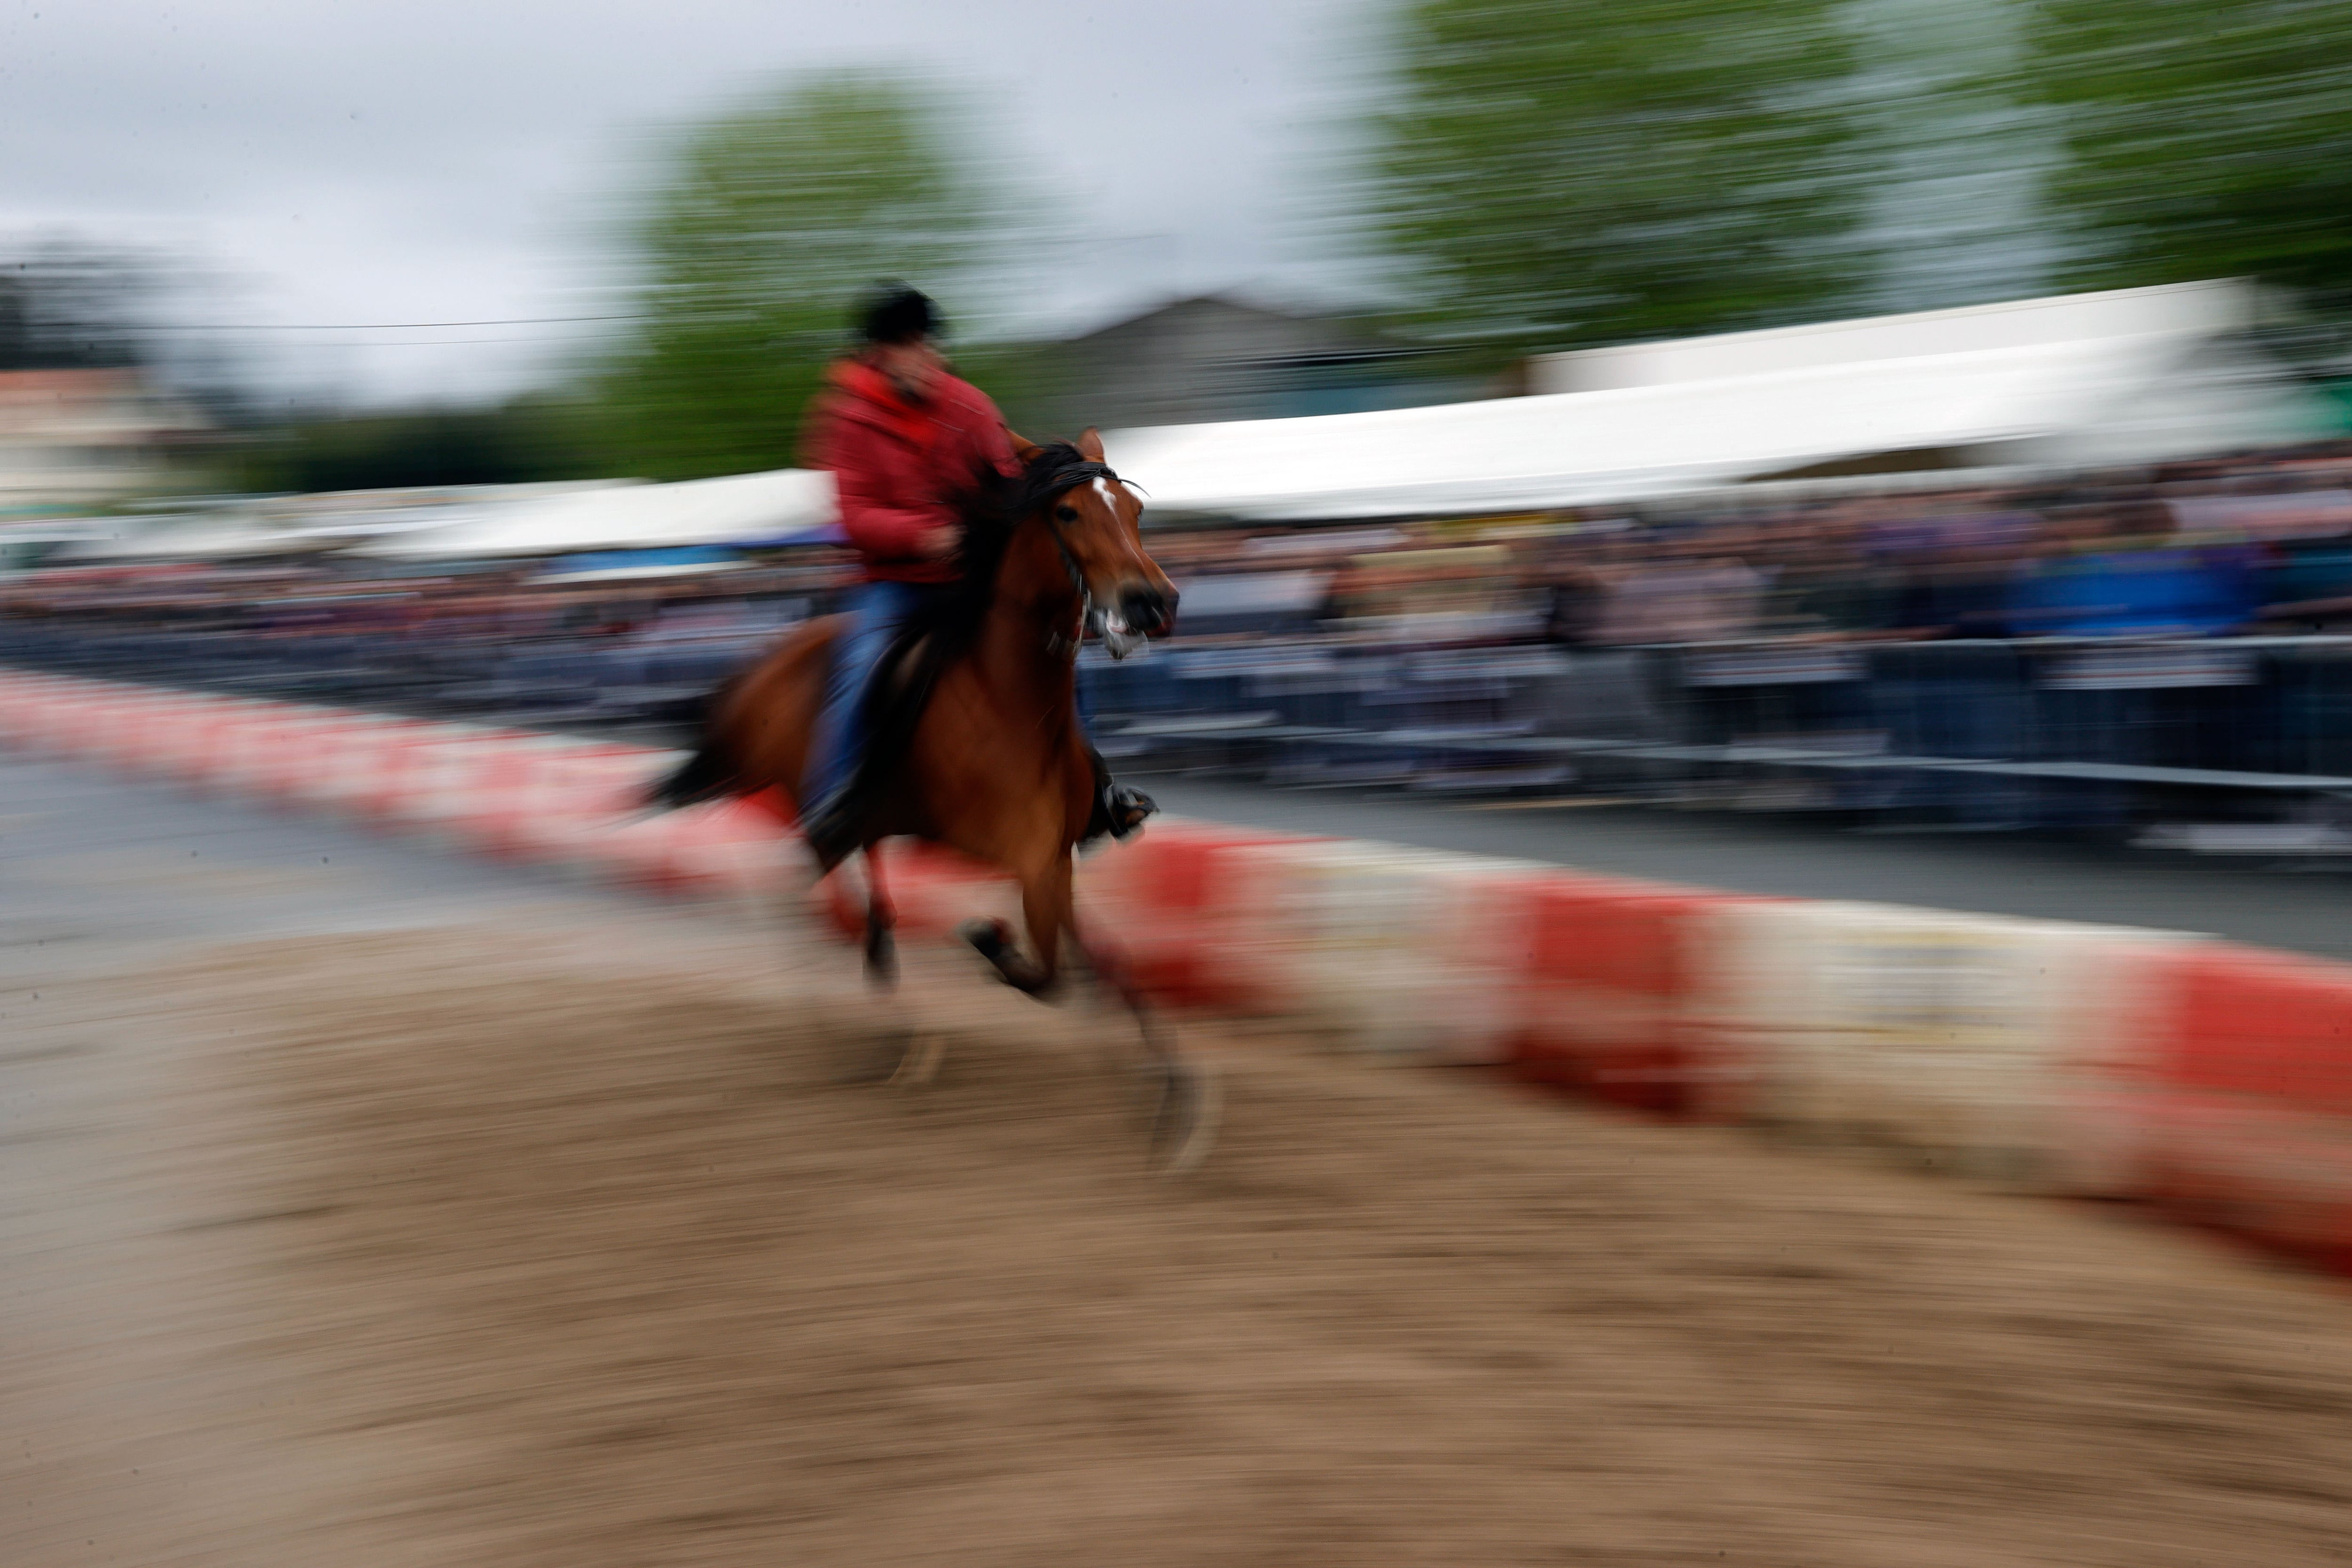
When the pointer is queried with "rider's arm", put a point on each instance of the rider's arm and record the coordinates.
(884, 532)
(996, 443)
(875, 524)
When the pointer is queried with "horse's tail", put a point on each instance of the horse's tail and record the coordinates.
(709, 773)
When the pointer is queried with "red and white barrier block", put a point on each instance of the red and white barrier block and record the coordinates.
(1994, 1048)
(2241, 1099)
(1615, 992)
(2211, 1081)
(513, 794)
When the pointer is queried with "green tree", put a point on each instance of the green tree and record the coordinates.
(750, 248)
(1555, 172)
(69, 306)
(533, 438)
(2201, 139)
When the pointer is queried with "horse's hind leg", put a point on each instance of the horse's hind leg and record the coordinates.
(881, 924)
(905, 1058)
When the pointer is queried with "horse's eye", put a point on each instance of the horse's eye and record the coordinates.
(1067, 513)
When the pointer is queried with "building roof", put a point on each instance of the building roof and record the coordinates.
(2136, 376)
(784, 505)
(2175, 309)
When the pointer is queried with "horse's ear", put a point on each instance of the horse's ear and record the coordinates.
(1022, 447)
(1090, 444)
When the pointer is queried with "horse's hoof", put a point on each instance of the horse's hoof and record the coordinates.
(875, 1058)
(1184, 1124)
(881, 961)
(990, 938)
(921, 1062)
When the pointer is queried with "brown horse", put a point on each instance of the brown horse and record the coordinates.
(988, 759)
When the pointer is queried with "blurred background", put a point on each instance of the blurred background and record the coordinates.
(1892, 457)
(1934, 417)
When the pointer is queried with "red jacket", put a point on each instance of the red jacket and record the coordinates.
(897, 466)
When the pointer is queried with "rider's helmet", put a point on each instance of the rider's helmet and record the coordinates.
(894, 312)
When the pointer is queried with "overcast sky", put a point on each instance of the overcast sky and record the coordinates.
(440, 161)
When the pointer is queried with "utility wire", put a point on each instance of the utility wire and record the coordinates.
(375, 326)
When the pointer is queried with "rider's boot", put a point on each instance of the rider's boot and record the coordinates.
(830, 829)
(1120, 810)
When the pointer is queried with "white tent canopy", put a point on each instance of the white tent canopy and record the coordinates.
(2166, 386)
(216, 537)
(2192, 310)
(740, 508)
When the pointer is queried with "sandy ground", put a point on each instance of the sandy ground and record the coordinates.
(556, 1241)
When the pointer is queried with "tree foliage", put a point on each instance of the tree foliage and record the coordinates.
(2201, 139)
(66, 306)
(526, 439)
(1561, 171)
(764, 227)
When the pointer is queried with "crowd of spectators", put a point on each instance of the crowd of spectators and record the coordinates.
(2253, 544)
(504, 604)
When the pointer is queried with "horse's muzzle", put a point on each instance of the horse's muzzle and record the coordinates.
(1147, 610)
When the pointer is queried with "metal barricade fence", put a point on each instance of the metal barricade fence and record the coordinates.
(2056, 733)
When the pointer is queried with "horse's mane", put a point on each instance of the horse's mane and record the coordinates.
(993, 510)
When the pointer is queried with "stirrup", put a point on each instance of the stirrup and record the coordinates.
(1119, 813)
(831, 832)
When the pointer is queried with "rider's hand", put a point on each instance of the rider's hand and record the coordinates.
(939, 543)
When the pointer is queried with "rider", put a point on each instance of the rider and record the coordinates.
(903, 435)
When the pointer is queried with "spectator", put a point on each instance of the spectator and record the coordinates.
(1574, 602)
(1955, 591)
(2128, 583)
(1688, 594)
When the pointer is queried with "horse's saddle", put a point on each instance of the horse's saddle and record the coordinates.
(896, 695)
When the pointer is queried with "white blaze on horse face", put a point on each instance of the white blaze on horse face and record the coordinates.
(1118, 639)
(1102, 488)
(1110, 504)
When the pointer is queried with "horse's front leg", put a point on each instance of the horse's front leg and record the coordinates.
(1185, 1095)
(1045, 912)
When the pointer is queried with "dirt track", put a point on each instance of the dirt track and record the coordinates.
(493, 1248)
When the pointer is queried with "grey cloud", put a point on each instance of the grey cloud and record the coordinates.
(436, 160)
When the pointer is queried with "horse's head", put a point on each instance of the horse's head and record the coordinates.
(1095, 521)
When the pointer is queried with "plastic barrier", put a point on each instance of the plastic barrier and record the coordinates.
(568, 793)
(286, 767)
(1388, 949)
(2246, 1102)
(184, 752)
(2213, 1081)
(156, 747)
(583, 795)
(932, 891)
(1999, 1048)
(1183, 913)
(503, 787)
(343, 774)
(1611, 997)
(723, 849)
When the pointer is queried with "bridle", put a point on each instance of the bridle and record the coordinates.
(1117, 640)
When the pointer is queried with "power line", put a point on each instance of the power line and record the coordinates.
(444, 342)
(378, 326)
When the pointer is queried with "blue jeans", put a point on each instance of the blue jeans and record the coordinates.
(876, 613)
